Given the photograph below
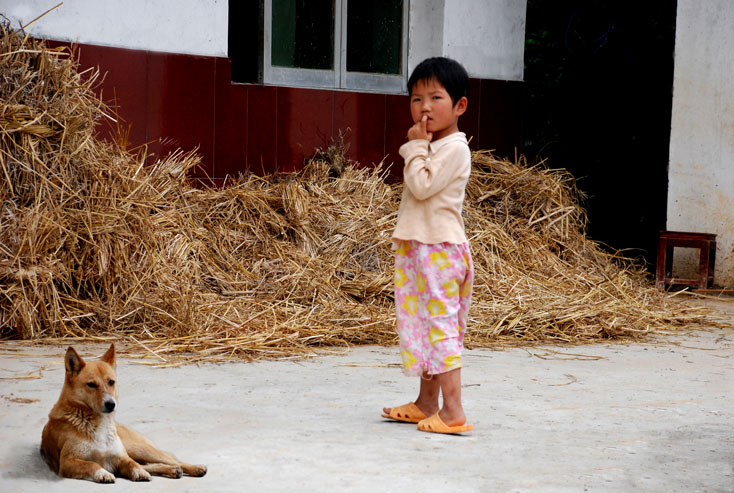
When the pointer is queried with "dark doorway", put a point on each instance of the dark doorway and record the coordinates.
(599, 80)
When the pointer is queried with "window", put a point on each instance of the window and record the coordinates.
(336, 43)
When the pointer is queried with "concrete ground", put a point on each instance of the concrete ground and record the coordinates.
(654, 417)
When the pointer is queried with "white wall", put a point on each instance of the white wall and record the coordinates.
(701, 172)
(486, 36)
(425, 32)
(197, 27)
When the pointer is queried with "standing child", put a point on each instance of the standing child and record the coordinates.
(433, 265)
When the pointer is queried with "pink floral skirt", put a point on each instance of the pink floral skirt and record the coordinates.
(433, 290)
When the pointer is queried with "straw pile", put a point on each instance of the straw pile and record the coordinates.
(539, 277)
(94, 244)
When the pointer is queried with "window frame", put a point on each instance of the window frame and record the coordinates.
(338, 78)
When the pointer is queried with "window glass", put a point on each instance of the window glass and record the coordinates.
(374, 35)
(303, 34)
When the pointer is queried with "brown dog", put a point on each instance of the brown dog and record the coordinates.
(81, 439)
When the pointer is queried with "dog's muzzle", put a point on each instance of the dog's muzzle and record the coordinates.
(109, 406)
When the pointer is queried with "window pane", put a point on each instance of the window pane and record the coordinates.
(374, 33)
(303, 34)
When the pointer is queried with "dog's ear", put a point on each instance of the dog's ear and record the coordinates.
(73, 362)
(109, 356)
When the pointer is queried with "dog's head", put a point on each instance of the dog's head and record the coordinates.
(93, 383)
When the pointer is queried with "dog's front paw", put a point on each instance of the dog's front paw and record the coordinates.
(197, 471)
(103, 476)
(139, 474)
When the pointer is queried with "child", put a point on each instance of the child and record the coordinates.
(433, 265)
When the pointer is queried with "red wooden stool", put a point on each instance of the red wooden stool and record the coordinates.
(706, 244)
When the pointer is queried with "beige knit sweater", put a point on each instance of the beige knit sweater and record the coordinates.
(434, 181)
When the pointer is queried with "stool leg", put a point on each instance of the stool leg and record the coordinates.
(703, 267)
(712, 263)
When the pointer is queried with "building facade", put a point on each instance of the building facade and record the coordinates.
(259, 85)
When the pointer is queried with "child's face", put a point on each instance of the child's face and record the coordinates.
(430, 98)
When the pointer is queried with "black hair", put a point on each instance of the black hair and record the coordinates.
(450, 73)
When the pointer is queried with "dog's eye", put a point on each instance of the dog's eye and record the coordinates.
(92, 385)
(111, 383)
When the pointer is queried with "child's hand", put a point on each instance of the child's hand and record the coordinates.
(419, 131)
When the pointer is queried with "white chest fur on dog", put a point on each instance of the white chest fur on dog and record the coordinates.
(106, 437)
(105, 446)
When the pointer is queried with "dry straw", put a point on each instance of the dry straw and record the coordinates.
(95, 244)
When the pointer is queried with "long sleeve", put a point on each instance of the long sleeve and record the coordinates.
(435, 176)
(425, 176)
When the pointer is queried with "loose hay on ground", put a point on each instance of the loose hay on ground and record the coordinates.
(95, 244)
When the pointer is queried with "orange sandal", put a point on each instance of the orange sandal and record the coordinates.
(435, 424)
(407, 413)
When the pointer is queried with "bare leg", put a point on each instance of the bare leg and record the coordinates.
(452, 412)
(430, 390)
(427, 400)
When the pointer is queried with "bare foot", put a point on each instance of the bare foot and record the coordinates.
(427, 410)
(452, 418)
(427, 401)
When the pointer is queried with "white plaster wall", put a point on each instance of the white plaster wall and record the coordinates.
(425, 31)
(487, 36)
(701, 172)
(197, 27)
